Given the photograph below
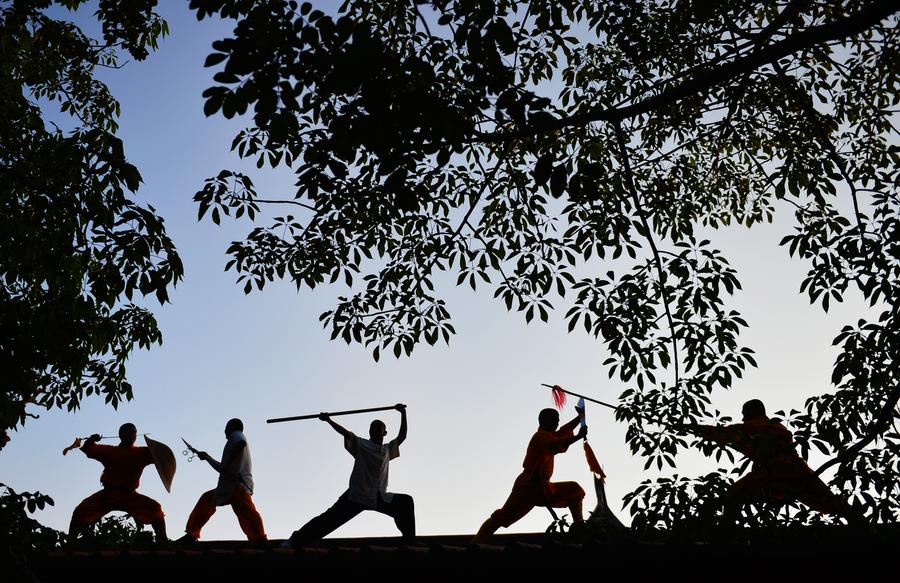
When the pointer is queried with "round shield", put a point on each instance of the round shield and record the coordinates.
(164, 460)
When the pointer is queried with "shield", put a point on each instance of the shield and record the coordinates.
(164, 460)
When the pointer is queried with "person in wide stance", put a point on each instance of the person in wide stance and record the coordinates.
(533, 486)
(778, 475)
(123, 465)
(368, 484)
(235, 488)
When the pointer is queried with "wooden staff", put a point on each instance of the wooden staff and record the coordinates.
(331, 414)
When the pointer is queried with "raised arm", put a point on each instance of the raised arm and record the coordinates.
(724, 434)
(582, 433)
(401, 436)
(571, 425)
(345, 433)
(91, 447)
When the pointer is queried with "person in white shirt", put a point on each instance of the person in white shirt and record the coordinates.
(235, 488)
(368, 484)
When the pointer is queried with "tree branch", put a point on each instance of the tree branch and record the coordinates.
(629, 179)
(295, 202)
(881, 422)
(706, 79)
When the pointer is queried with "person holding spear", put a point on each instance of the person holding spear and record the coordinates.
(533, 486)
(368, 483)
(235, 488)
(123, 465)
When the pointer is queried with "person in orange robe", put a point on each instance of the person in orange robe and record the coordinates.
(533, 486)
(123, 465)
(778, 475)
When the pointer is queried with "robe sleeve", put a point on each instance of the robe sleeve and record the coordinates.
(95, 451)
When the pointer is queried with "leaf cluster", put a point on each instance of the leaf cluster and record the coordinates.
(76, 247)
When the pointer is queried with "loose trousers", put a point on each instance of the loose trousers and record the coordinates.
(401, 508)
(241, 501)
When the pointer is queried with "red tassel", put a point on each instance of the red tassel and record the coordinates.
(592, 462)
(76, 444)
(559, 397)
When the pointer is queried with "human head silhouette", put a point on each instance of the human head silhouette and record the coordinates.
(127, 434)
(377, 431)
(233, 425)
(548, 419)
(753, 409)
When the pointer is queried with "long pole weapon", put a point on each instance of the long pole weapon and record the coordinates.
(559, 399)
(557, 388)
(331, 414)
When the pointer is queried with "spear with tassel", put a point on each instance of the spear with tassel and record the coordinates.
(603, 512)
(559, 400)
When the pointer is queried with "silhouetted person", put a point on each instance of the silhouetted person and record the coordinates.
(122, 468)
(235, 488)
(368, 484)
(533, 486)
(778, 475)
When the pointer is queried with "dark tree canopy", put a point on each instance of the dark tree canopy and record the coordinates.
(75, 246)
(522, 145)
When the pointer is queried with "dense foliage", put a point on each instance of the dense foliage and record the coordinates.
(75, 246)
(565, 153)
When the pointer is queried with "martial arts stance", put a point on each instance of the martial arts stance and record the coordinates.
(235, 488)
(122, 468)
(778, 474)
(368, 484)
(533, 486)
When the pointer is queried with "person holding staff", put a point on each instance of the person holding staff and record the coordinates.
(368, 484)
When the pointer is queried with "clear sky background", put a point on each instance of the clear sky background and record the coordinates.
(472, 405)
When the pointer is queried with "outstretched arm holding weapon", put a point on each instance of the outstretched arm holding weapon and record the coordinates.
(229, 466)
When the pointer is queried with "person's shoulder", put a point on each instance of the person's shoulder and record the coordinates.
(142, 451)
(94, 446)
(92, 449)
(542, 435)
(365, 443)
(778, 426)
(765, 425)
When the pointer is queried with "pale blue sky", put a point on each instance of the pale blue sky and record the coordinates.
(472, 405)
